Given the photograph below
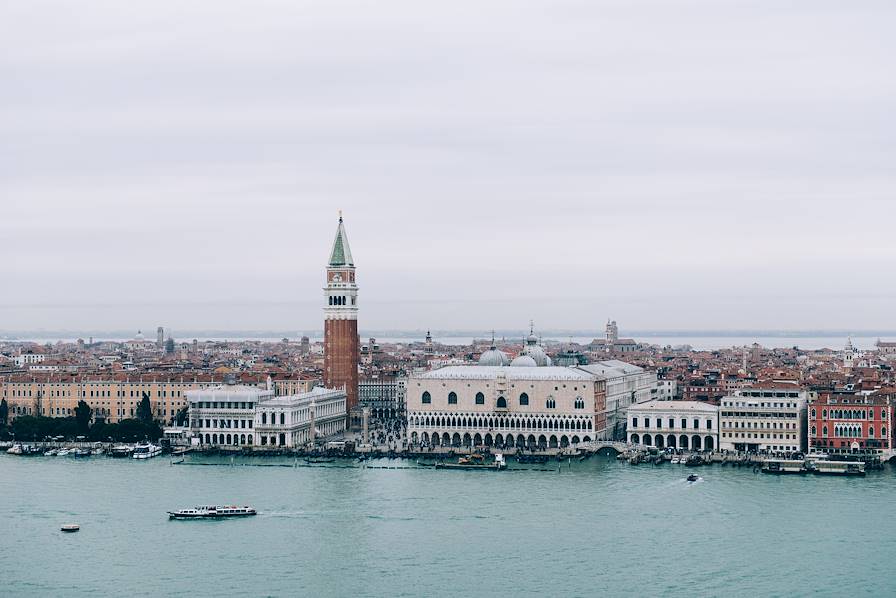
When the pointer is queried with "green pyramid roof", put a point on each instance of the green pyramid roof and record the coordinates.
(341, 254)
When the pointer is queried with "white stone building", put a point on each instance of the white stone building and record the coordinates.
(225, 414)
(288, 421)
(627, 385)
(505, 406)
(247, 416)
(768, 417)
(686, 425)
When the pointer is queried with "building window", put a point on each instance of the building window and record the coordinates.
(452, 398)
(502, 403)
(580, 403)
(427, 398)
(524, 399)
(480, 398)
(550, 404)
(634, 422)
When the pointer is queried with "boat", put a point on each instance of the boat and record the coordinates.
(15, 449)
(70, 527)
(146, 451)
(121, 450)
(675, 461)
(50, 452)
(212, 512)
(318, 460)
(80, 452)
(63, 452)
(782, 466)
(844, 468)
(693, 477)
(694, 460)
(468, 463)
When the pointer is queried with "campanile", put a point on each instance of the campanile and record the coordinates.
(341, 352)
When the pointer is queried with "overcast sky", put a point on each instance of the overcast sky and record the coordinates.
(690, 164)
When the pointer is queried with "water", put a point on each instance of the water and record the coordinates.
(599, 527)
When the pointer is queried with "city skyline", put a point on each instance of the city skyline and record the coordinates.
(485, 184)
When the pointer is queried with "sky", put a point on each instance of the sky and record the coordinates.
(669, 164)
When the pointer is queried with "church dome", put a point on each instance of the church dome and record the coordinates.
(523, 361)
(493, 357)
(538, 355)
(139, 336)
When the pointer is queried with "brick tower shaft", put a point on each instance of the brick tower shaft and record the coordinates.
(341, 345)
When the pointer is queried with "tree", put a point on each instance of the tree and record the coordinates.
(182, 414)
(4, 413)
(144, 409)
(83, 412)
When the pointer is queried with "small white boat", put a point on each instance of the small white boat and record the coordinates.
(15, 449)
(675, 461)
(70, 527)
(64, 452)
(51, 452)
(146, 451)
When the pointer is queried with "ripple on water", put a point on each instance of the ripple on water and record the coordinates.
(598, 527)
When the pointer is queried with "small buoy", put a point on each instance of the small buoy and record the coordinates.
(71, 527)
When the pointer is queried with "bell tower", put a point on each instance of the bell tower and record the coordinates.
(341, 351)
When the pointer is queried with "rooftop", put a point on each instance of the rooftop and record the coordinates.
(483, 372)
(696, 406)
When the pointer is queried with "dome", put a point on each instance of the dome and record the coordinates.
(538, 355)
(493, 357)
(523, 361)
(139, 336)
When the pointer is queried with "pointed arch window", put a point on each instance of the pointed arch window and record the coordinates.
(452, 398)
(427, 398)
(524, 399)
(480, 398)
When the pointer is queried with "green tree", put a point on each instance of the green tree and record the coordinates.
(83, 412)
(144, 409)
(4, 413)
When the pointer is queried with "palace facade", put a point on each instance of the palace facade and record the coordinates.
(521, 406)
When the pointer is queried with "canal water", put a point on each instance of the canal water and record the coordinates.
(598, 527)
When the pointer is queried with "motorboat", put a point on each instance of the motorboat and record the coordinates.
(121, 450)
(146, 451)
(64, 452)
(212, 512)
(693, 477)
(70, 527)
(15, 449)
(51, 452)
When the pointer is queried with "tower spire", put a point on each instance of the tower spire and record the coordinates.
(341, 254)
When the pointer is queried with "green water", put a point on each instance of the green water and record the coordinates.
(597, 528)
